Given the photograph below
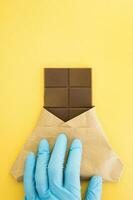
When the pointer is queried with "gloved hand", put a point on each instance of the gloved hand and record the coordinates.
(46, 179)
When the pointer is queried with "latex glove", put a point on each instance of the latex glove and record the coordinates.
(46, 179)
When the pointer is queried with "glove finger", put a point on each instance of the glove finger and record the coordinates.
(29, 183)
(41, 176)
(72, 171)
(55, 167)
(94, 190)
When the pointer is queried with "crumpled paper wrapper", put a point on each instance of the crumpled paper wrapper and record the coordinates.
(98, 157)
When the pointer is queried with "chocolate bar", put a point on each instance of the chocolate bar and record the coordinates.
(68, 91)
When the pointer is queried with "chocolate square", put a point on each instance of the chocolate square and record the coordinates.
(56, 97)
(80, 77)
(80, 97)
(56, 77)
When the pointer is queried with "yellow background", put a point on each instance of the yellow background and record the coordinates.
(75, 33)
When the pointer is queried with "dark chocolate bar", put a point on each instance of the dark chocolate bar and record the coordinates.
(68, 91)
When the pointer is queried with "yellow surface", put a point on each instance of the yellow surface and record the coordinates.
(35, 34)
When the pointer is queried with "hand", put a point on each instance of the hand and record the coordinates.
(45, 178)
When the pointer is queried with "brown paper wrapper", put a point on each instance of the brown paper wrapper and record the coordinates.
(98, 157)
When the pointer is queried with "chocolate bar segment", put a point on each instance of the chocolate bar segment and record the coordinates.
(56, 77)
(68, 91)
(80, 77)
(56, 97)
(80, 97)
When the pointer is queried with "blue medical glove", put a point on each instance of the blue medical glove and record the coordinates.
(46, 179)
